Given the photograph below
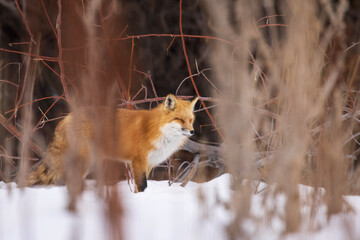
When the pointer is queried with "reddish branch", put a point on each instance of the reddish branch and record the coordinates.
(17, 158)
(186, 35)
(174, 36)
(13, 130)
(149, 100)
(25, 22)
(48, 18)
(272, 25)
(130, 66)
(151, 81)
(47, 110)
(18, 101)
(46, 58)
(190, 73)
(61, 64)
(136, 94)
(11, 83)
(18, 43)
(37, 100)
(268, 17)
(47, 65)
(194, 75)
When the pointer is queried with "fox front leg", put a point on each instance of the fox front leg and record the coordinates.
(139, 170)
(141, 183)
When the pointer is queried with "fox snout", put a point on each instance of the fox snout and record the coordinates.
(187, 132)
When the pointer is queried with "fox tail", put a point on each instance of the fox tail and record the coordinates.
(41, 175)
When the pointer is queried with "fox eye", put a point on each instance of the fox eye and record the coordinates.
(179, 119)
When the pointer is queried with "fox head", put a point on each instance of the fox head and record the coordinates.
(179, 115)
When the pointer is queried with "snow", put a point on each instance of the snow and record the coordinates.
(161, 212)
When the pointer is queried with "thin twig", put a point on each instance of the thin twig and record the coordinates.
(18, 158)
(190, 74)
(60, 56)
(13, 130)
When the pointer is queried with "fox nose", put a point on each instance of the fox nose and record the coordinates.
(192, 132)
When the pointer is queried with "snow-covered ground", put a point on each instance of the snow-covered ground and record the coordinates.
(161, 212)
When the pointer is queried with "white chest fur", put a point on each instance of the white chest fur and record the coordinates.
(169, 142)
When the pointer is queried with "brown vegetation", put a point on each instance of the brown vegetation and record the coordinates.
(292, 91)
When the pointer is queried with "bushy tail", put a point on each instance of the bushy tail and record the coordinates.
(41, 175)
(49, 170)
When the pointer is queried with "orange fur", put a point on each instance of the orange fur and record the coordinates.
(142, 137)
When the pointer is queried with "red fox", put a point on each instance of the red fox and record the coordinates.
(144, 137)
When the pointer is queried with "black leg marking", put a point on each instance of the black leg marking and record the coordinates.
(143, 183)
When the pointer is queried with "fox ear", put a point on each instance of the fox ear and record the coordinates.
(170, 102)
(193, 103)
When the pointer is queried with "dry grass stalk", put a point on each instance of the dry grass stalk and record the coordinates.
(297, 89)
(88, 70)
(96, 90)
